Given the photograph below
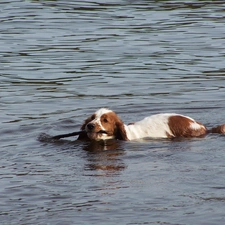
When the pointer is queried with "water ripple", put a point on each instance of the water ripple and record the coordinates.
(62, 60)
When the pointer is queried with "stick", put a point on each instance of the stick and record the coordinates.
(68, 135)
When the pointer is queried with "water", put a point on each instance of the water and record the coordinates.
(61, 61)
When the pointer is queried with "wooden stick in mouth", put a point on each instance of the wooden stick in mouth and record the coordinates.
(68, 135)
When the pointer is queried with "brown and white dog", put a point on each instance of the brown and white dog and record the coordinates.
(105, 124)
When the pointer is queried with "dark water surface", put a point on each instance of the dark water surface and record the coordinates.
(62, 60)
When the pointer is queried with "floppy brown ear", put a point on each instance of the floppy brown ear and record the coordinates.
(120, 131)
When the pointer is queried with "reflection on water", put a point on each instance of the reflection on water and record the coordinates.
(105, 156)
(101, 155)
(60, 61)
(106, 145)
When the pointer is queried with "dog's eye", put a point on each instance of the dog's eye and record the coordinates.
(93, 117)
(105, 120)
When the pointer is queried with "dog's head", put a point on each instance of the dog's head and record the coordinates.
(104, 124)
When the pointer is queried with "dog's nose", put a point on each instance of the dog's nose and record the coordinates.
(90, 126)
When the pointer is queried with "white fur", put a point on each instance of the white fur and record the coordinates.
(101, 111)
(195, 126)
(155, 126)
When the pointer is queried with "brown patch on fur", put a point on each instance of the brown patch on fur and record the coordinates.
(219, 129)
(181, 126)
(120, 131)
(113, 125)
(108, 122)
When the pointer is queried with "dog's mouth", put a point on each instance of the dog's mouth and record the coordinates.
(102, 132)
(99, 135)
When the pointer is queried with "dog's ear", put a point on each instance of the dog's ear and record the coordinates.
(120, 131)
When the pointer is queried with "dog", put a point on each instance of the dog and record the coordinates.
(105, 124)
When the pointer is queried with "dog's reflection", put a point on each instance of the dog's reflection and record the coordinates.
(104, 145)
(105, 156)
